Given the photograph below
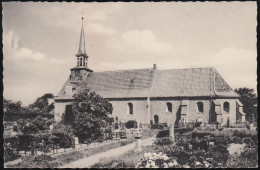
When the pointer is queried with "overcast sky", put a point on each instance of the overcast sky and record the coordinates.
(41, 39)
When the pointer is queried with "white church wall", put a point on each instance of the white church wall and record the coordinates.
(139, 111)
(60, 110)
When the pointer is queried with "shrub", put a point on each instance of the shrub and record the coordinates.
(163, 133)
(157, 126)
(131, 124)
(163, 141)
(10, 146)
(62, 135)
(156, 161)
(241, 125)
(183, 130)
(42, 161)
(190, 124)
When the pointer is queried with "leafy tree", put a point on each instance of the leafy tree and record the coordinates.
(12, 110)
(62, 134)
(90, 112)
(249, 100)
(35, 125)
(41, 105)
(42, 101)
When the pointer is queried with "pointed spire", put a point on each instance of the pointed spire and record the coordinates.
(82, 47)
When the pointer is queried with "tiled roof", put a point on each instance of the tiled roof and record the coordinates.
(158, 83)
(118, 84)
(190, 83)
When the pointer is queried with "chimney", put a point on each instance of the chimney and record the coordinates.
(154, 66)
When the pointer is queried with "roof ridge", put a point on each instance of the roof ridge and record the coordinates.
(125, 70)
(156, 69)
(188, 68)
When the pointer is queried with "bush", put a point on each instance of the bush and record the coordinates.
(62, 135)
(42, 161)
(183, 130)
(10, 146)
(157, 126)
(157, 161)
(163, 141)
(162, 134)
(240, 125)
(131, 124)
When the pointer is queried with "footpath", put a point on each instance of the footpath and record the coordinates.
(89, 161)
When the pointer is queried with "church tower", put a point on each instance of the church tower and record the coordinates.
(80, 71)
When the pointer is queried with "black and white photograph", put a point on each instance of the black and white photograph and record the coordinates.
(130, 84)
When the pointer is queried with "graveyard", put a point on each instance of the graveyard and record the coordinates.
(171, 147)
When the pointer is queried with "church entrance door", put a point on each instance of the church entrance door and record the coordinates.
(68, 116)
(156, 119)
(212, 114)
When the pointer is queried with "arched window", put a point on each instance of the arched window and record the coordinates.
(200, 106)
(130, 109)
(226, 107)
(168, 107)
(110, 105)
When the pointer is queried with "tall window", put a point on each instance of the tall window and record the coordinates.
(169, 107)
(130, 109)
(226, 107)
(200, 106)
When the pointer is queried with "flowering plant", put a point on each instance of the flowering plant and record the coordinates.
(154, 160)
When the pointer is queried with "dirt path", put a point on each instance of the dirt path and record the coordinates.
(89, 161)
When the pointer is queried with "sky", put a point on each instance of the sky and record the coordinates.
(40, 40)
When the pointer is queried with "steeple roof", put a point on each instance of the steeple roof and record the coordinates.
(82, 47)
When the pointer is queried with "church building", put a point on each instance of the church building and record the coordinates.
(152, 95)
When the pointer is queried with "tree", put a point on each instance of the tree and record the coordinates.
(62, 134)
(35, 125)
(249, 100)
(12, 110)
(90, 113)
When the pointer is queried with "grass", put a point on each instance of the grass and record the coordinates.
(128, 160)
(53, 162)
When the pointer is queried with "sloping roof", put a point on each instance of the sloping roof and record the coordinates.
(118, 84)
(192, 82)
(183, 82)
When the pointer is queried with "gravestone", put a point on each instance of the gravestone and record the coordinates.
(171, 129)
(171, 132)
(76, 139)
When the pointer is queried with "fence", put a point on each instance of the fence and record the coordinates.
(54, 149)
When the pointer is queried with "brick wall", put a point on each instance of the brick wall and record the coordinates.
(140, 111)
(158, 107)
(232, 110)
